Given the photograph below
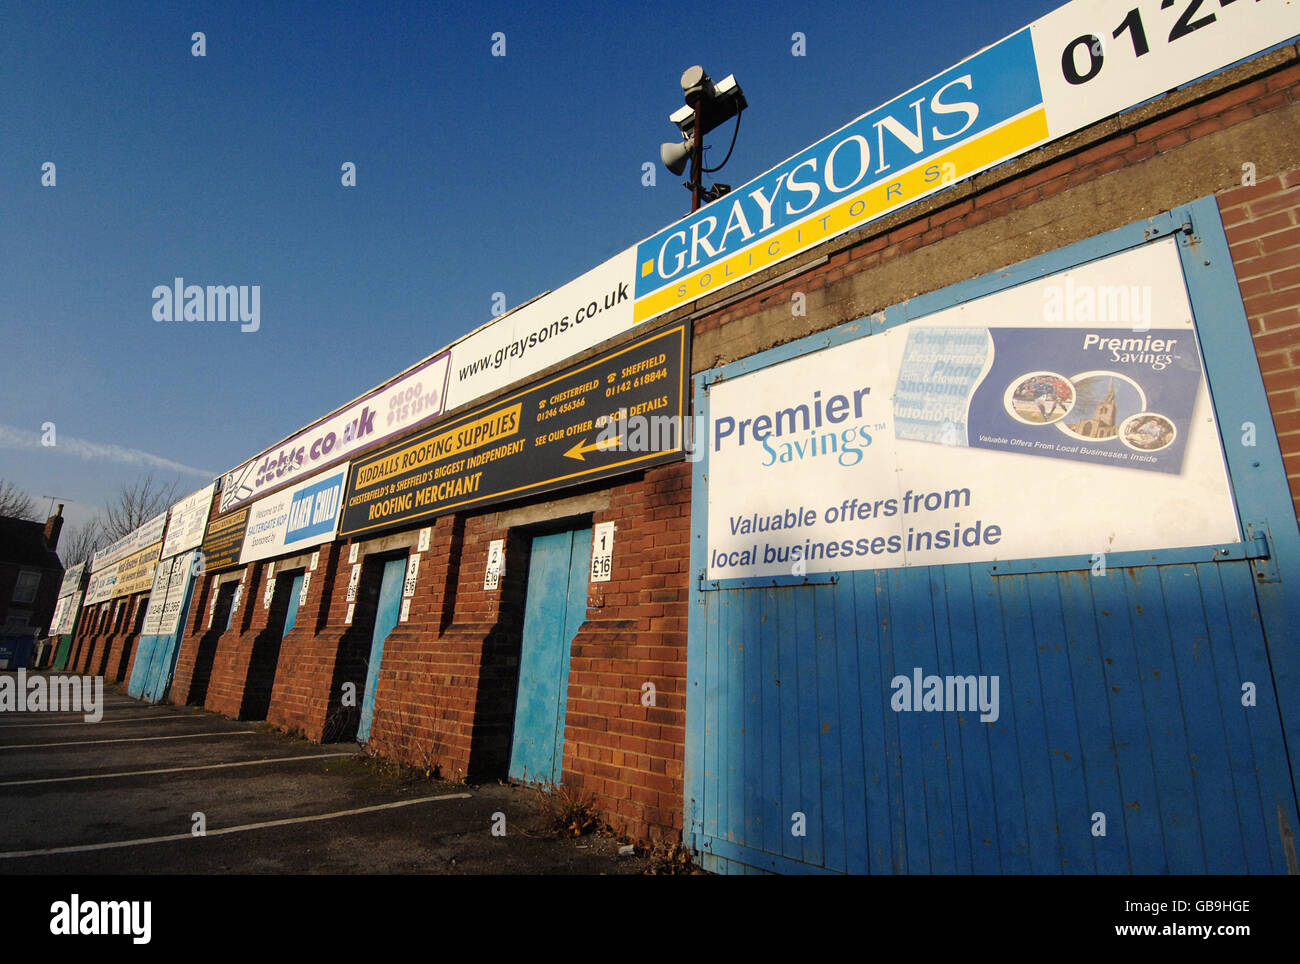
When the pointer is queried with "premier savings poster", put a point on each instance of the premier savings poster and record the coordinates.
(1065, 416)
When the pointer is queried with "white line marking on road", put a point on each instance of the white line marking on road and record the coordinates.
(141, 773)
(143, 719)
(125, 739)
(83, 848)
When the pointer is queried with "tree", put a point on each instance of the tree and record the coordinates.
(134, 505)
(79, 543)
(15, 503)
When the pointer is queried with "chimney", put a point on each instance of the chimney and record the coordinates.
(53, 526)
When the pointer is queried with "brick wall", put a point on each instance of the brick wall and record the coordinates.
(448, 682)
(1262, 222)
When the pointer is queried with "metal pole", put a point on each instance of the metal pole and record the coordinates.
(697, 156)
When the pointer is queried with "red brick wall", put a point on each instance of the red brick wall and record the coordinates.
(1263, 227)
(446, 695)
(304, 678)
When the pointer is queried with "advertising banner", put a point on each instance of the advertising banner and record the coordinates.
(72, 579)
(224, 540)
(188, 519)
(135, 573)
(178, 585)
(102, 584)
(403, 403)
(299, 517)
(65, 614)
(1065, 416)
(585, 312)
(1077, 65)
(620, 411)
(157, 596)
(132, 542)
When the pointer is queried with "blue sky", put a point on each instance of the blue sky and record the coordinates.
(475, 174)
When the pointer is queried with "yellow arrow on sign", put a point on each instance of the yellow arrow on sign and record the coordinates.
(582, 448)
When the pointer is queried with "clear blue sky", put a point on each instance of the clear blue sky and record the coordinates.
(475, 174)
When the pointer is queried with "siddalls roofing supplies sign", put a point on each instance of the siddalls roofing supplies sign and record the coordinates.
(1066, 416)
(1077, 65)
(300, 517)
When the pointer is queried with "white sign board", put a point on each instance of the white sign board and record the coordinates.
(407, 401)
(602, 552)
(412, 574)
(1019, 425)
(189, 518)
(299, 517)
(583, 313)
(131, 543)
(495, 564)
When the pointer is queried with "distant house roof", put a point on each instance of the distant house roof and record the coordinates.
(22, 543)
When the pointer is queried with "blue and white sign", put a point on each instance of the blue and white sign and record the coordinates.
(1064, 416)
(302, 516)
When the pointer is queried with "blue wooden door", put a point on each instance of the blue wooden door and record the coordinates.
(554, 610)
(386, 614)
(1141, 726)
(291, 614)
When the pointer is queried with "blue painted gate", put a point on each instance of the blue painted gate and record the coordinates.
(388, 609)
(554, 611)
(1122, 695)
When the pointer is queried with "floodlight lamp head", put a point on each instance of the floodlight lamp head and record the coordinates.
(696, 85)
(676, 155)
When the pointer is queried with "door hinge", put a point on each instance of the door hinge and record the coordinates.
(1260, 553)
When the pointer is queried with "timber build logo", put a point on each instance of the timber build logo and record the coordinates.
(75, 917)
(53, 694)
(181, 302)
(945, 694)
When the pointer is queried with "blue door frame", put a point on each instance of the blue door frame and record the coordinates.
(387, 611)
(554, 610)
(887, 802)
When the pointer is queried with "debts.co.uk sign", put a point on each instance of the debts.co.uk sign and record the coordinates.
(405, 402)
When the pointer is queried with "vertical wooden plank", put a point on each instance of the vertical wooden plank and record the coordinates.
(755, 815)
(1207, 746)
(889, 659)
(788, 681)
(1073, 829)
(727, 624)
(850, 707)
(1102, 789)
(914, 642)
(1021, 689)
(1141, 823)
(810, 764)
(942, 750)
(953, 619)
(1004, 753)
(713, 623)
(775, 823)
(1252, 822)
(1166, 727)
(830, 728)
(871, 694)
(1264, 719)
(976, 816)
(742, 604)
